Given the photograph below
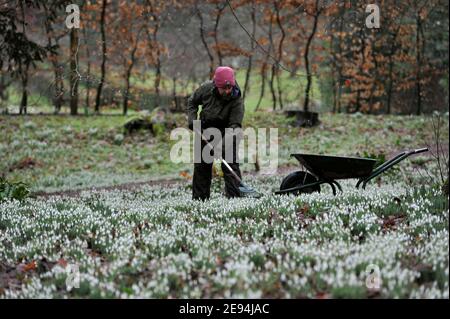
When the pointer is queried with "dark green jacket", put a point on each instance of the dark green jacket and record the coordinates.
(216, 111)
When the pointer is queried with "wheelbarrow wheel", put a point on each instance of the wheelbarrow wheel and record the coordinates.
(299, 178)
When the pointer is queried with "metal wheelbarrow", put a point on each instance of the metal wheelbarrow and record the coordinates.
(323, 169)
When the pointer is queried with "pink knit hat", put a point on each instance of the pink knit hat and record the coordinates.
(224, 76)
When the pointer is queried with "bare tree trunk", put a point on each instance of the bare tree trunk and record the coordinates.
(297, 57)
(158, 69)
(156, 84)
(390, 84)
(24, 100)
(376, 76)
(203, 38)
(333, 76)
(280, 53)
(74, 71)
(154, 45)
(174, 93)
(128, 75)
(272, 87)
(392, 51)
(220, 8)
(88, 73)
(273, 71)
(358, 101)
(58, 81)
(127, 91)
(3, 87)
(263, 83)
(59, 87)
(253, 46)
(418, 66)
(23, 72)
(263, 86)
(339, 97)
(339, 68)
(308, 72)
(264, 69)
(103, 67)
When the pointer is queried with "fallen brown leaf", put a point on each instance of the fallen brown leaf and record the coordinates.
(30, 266)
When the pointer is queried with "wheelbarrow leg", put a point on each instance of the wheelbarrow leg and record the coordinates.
(332, 183)
(338, 185)
(332, 187)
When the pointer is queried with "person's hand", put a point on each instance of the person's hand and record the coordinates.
(237, 131)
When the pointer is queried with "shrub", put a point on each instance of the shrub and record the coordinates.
(10, 190)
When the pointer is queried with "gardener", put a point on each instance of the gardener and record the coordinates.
(222, 107)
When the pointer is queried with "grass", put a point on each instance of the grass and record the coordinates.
(57, 152)
(155, 242)
(63, 152)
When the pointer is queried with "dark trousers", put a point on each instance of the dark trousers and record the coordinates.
(201, 184)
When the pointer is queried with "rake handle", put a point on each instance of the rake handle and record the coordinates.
(221, 159)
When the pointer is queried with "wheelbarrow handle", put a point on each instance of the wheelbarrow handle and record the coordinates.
(420, 150)
(388, 164)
